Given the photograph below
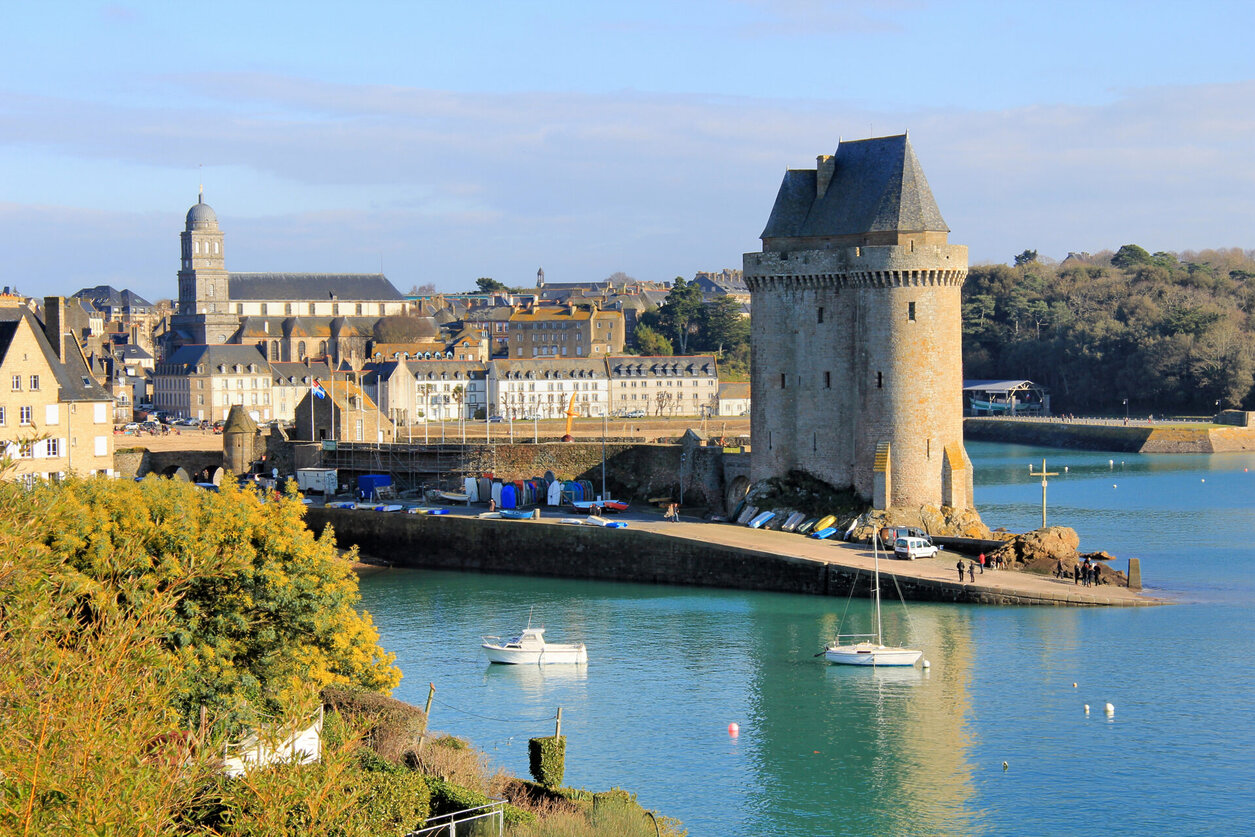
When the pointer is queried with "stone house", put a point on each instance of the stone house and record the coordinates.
(670, 385)
(55, 419)
(345, 414)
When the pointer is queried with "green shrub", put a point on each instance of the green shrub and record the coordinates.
(394, 801)
(448, 798)
(547, 759)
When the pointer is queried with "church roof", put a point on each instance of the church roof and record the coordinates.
(313, 286)
(877, 186)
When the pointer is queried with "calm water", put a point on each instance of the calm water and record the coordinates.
(828, 750)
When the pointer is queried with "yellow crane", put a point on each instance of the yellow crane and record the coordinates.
(571, 413)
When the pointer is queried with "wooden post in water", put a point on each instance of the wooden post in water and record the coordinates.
(557, 733)
(422, 736)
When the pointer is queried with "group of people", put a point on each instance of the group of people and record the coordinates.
(995, 562)
(673, 512)
(1085, 574)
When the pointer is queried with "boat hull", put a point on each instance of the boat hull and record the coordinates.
(871, 654)
(549, 655)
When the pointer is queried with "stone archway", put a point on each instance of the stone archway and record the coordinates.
(736, 491)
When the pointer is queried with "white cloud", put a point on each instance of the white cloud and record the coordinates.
(448, 187)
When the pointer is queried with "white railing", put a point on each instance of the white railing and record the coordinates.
(446, 825)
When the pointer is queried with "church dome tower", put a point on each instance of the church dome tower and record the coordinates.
(204, 308)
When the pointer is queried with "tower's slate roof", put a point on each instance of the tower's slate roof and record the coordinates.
(313, 286)
(877, 186)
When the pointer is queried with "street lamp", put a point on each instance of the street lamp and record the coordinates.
(682, 479)
(1126, 411)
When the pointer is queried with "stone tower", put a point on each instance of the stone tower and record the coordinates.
(540, 278)
(204, 310)
(241, 441)
(856, 332)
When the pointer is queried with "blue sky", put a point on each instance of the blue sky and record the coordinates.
(447, 141)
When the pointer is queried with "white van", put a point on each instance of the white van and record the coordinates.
(912, 548)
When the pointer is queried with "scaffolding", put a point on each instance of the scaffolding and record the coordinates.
(412, 467)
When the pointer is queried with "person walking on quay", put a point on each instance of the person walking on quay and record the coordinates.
(971, 571)
(959, 566)
(982, 563)
(1076, 575)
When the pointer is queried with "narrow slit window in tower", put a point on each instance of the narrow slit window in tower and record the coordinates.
(880, 380)
(821, 314)
(910, 311)
(827, 380)
(784, 381)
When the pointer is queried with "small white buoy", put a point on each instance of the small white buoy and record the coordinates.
(1111, 463)
(1109, 709)
(1113, 485)
(1073, 685)
(927, 664)
(1087, 709)
(1065, 469)
(1202, 480)
(733, 729)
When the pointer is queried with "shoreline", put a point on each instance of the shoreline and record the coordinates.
(701, 554)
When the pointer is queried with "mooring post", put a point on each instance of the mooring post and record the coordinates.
(422, 736)
(557, 732)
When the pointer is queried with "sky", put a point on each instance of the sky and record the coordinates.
(444, 141)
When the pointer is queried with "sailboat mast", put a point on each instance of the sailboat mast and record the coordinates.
(876, 560)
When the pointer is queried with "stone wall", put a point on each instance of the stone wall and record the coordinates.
(596, 554)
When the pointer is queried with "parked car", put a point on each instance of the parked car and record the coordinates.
(496, 419)
(912, 548)
(634, 414)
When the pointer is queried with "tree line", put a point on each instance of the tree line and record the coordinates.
(1170, 332)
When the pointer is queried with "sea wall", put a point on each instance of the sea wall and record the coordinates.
(465, 544)
(1111, 437)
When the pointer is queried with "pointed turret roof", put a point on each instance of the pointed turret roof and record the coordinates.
(877, 185)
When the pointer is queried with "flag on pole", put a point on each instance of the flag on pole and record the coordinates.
(318, 389)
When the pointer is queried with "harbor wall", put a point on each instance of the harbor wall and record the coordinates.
(1111, 437)
(448, 542)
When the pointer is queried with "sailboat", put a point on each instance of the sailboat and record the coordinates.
(871, 651)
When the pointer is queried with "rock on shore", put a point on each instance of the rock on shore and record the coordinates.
(1047, 551)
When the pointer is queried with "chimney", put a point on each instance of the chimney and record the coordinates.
(55, 325)
(825, 165)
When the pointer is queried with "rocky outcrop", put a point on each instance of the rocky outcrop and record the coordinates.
(958, 523)
(1053, 551)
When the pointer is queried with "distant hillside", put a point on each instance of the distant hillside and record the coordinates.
(1170, 332)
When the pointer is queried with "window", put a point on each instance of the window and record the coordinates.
(880, 380)
(359, 308)
(910, 311)
(17, 383)
(821, 314)
(287, 308)
(311, 309)
(4, 419)
(265, 309)
(54, 447)
(24, 416)
(827, 380)
(34, 383)
(783, 381)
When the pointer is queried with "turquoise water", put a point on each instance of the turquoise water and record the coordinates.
(833, 750)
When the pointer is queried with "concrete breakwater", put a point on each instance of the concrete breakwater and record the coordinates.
(1141, 437)
(696, 554)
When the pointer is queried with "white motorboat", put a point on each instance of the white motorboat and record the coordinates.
(530, 648)
(871, 650)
